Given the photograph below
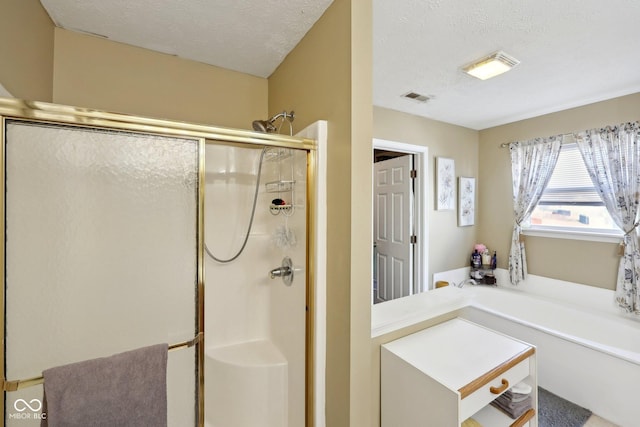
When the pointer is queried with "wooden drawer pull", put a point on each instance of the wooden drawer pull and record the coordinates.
(503, 387)
(524, 418)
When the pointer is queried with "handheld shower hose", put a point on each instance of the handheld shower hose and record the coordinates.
(253, 211)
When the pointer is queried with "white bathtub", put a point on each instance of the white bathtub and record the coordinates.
(587, 352)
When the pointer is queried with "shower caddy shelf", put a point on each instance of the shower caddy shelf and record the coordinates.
(277, 153)
(276, 209)
(279, 186)
(282, 185)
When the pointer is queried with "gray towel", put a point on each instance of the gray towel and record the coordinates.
(514, 397)
(127, 389)
(514, 410)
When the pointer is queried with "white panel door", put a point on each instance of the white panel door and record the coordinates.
(392, 218)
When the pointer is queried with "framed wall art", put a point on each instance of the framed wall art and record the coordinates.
(445, 184)
(466, 201)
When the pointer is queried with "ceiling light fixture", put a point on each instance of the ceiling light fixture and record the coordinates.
(491, 66)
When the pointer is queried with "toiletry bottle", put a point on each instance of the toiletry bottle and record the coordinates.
(476, 259)
(486, 258)
(494, 261)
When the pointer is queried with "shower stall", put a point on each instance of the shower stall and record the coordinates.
(122, 232)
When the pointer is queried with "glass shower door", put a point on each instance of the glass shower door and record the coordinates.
(101, 254)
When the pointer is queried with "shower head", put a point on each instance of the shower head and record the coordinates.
(263, 126)
(267, 126)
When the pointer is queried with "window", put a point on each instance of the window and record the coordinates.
(570, 203)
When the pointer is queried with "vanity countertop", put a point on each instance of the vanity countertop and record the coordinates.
(393, 315)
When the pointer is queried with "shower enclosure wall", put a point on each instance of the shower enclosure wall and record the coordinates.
(255, 324)
(105, 222)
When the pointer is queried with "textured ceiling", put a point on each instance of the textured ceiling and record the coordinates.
(572, 52)
(249, 36)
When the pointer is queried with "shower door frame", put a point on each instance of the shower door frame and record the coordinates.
(42, 112)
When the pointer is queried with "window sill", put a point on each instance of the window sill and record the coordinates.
(573, 235)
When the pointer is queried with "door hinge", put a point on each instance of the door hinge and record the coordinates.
(414, 239)
(414, 173)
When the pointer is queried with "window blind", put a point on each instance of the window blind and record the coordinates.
(570, 183)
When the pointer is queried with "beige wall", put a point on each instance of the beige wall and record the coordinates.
(585, 262)
(26, 50)
(97, 73)
(361, 202)
(328, 76)
(449, 245)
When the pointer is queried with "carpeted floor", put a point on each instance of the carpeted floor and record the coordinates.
(554, 411)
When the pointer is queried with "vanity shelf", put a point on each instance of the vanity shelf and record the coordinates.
(490, 416)
(450, 372)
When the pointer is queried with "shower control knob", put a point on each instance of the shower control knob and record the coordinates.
(285, 271)
(280, 272)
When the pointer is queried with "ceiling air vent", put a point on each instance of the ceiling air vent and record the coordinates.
(506, 59)
(416, 97)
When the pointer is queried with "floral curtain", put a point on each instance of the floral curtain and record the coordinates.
(612, 157)
(532, 163)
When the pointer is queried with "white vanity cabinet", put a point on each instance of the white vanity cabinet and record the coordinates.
(442, 375)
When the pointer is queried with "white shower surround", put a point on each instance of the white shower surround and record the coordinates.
(254, 325)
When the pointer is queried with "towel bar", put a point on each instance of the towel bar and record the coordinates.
(30, 382)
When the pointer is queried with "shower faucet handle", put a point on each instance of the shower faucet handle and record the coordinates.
(285, 271)
(280, 272)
